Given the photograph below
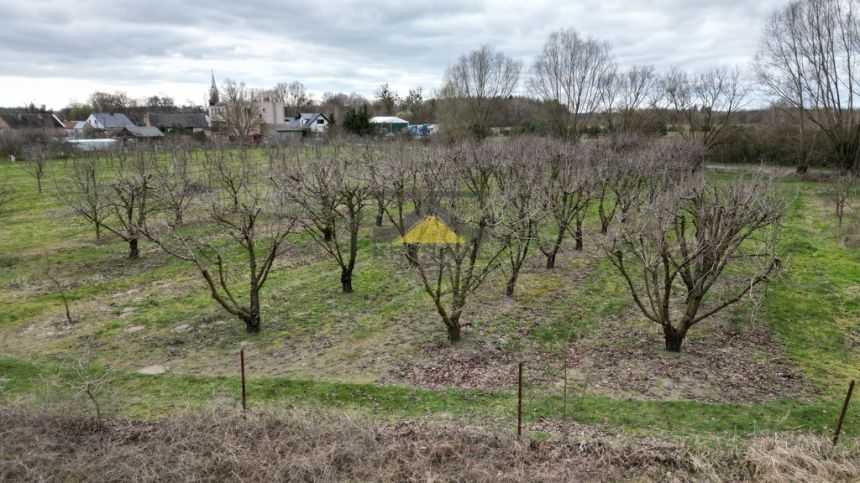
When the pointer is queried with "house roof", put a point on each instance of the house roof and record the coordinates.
(192, 120)
(388, 120)
(139, 132)
(30, 121)
(145, 132)
(110, 120)
(310, 117)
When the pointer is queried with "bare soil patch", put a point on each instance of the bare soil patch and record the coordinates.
(718, 363)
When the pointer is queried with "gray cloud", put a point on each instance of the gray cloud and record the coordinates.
(346, 45)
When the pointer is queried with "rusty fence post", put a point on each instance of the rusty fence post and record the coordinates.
(520, 401)
(842, 413)
(242, 363)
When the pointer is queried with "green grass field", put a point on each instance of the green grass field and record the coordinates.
(781, 365)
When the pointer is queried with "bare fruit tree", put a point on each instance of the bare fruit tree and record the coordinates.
(451, 272)
(472, 85)
(229, 170)
(619, 175)
(569, 190)
(51, 273)
(333, 189)
(82, 187)
(842, 188)
(5, 192)
(129, 196)
(175, 182)
(520, 205)
(257, 229)
(571, 75)
(690, 247)
(399, 179)
(37, 157)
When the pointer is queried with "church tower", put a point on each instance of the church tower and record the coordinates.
(213, 91)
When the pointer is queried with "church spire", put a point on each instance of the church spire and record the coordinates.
(213, 91)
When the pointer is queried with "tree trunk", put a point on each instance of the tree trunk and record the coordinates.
(98, 232)
(412, 254)
(673, 338)
(601, 213)
(454, 332)
(68, 312)
(346, 280)
(380, 211)
(512, 284)
(550, 258)
(578, 234)
(326, 232)
(133, 251)
(252, 323)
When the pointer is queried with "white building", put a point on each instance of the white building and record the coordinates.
(314, 121)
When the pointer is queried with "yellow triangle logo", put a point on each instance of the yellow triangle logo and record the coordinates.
(430, 231)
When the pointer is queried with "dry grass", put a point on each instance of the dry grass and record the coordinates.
(800, 458)
(219, 446)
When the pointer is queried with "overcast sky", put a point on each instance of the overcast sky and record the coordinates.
(54, 51)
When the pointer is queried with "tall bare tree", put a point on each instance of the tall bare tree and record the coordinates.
(631, 98)
(807, 60)
(292, 95)
(780, 67)
(702, 105)
(571, 75)
(472, 85)
(240, 113)
(690, 248)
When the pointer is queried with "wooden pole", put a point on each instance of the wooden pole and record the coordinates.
(842, 413)
(520, 401)
(242, 362)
